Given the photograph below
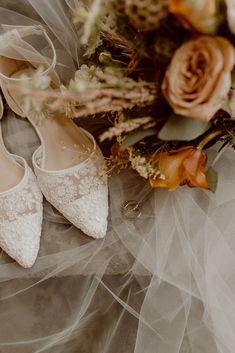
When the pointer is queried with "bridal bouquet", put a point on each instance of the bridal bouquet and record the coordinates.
(162, 74)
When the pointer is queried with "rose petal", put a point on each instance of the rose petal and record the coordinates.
(198, 78)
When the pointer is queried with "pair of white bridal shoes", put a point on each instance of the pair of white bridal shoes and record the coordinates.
(69, 166)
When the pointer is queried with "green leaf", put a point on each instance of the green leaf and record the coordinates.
(226, 107)
(212, 179)
(233, 78)
(182, 128)
(136, 136)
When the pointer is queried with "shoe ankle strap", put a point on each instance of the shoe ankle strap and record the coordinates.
(18, 33)
(24, 31)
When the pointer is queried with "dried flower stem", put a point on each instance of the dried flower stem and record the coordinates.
(92, 16)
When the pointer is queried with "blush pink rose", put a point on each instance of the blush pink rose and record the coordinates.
(198, 78)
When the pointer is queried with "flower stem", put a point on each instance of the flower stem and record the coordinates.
(209, 137)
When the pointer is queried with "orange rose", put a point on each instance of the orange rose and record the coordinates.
(198, 79)
(183, 166)
(200, 15)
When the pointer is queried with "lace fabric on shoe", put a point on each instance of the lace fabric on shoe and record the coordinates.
(80, 190)
(65, 187)
(21, 219)
(22, 200)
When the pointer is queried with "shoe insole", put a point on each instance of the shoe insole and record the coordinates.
(65, 143)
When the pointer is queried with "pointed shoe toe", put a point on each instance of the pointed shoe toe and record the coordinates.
(90, 212)
(20, 238)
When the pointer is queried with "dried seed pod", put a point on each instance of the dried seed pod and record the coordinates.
(119, 6)
(146, 15)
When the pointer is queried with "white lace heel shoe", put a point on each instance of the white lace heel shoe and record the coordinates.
(69, 165)
(20, 208)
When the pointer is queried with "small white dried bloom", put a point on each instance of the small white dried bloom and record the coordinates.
(41, 81)
(142, 165)
(92, 18)
(37, 82)
(84, 80)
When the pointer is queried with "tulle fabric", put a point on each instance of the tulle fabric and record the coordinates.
(56, 15)
(66, 57)
(161, 282)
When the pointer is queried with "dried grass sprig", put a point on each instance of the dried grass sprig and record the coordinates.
(112, 94)
(127, 126)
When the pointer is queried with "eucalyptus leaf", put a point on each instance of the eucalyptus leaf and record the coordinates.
(136, 136)
(233, 78)
(226, 107)
(212, 179)
(182, 128)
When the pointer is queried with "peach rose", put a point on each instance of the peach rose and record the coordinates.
(200, 15)
(198, 78)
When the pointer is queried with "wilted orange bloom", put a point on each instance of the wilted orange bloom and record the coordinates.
(179, 167)
(196, 14)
